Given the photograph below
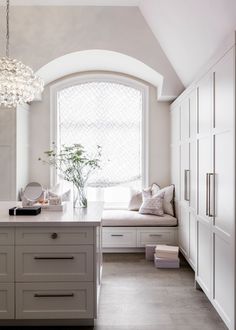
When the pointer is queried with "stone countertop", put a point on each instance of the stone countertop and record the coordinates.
(86, 217)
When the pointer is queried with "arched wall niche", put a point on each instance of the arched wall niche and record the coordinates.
(104, 60)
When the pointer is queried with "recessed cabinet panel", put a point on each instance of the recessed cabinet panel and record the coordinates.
(54, 300)
(193, 175)
(204, 260)
(54, 236)
(6, 301)
(224, 92)
(54, 263)
(185, 173)
(224, 187)
(184, 230)
(223, 293)
(193, 114)
(184, 119)
(175, 170)
(175, 125)
(205, 101)
(7, 264)
(204, 168)
(192, 239)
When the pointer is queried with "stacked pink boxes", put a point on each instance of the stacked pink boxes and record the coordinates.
(166, 256)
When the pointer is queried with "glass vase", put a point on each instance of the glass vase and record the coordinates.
(80, 196)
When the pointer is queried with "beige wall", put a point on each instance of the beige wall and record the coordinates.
(40, 34)
(159, 125)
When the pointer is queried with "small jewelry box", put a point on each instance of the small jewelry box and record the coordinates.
(25, 210)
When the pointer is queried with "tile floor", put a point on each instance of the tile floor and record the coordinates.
(136, 296)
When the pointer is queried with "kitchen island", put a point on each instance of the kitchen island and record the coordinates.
(50, 266)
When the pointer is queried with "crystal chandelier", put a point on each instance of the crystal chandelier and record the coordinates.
(18, 83)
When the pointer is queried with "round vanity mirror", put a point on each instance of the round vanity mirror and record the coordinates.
(33, 191)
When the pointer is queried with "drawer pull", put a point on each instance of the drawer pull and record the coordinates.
(155, 235)
(53, 258)
(54, 235)
(117, 235)
(39, 295)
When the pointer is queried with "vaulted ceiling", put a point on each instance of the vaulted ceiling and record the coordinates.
(188, 31)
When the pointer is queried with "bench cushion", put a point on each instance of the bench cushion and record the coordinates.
(125, 218)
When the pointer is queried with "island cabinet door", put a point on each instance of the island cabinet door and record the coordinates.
(72, 300)
(54, 263)
(7, 301)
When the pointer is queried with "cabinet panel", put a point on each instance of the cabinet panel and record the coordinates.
(193, 175)
(185, 174)
(204, 260)
(205, 98)
(6, 263)
(155, 236)
(54, 300)
(192, 239)
(119, 237)
(54, 236)
(184, 126)
(224, 182)
(184, 230)
(204, 167)
(175, 125)
(54, 263)
(193, 114)
(224, 92)
(223, 293)
(6, 301)
(175, 170)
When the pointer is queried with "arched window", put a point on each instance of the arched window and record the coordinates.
(110, 112)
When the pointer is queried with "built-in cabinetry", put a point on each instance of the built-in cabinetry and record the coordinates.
(203, 170)
(14, 150)
(50, 269)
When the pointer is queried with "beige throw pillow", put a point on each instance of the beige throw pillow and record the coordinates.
(168, 203)
(137, 197)
(135, 201)
(152, 205)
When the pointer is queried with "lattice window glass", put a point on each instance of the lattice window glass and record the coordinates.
(108, 114)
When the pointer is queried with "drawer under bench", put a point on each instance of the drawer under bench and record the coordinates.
(137, 237)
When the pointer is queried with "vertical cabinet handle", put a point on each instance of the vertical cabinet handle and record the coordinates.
(207, 194)
(210, 199)
(187, 185)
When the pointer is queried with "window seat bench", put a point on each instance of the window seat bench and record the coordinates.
(130, 231)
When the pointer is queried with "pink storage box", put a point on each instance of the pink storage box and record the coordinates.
(150, 251)
(166, 263)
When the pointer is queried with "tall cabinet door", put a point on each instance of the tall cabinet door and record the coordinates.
(205, 170)
(223, 228)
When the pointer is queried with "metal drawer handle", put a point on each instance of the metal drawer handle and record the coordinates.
(54, 235)
(117, 235)
(155, 235)
(53, 258)
(187, 185)
(39, 295)
(211, 195)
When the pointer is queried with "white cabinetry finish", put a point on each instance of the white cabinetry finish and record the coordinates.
(66, 300)
(207, 223)
(50, 266)
(183, 172)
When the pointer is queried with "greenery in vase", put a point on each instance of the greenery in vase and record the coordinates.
(74, 164)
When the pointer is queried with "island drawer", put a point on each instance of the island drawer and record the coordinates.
(7, 236)
(72, 300)
(54, 263)
(54, 236)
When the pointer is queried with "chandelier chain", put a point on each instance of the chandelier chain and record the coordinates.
(7, 27)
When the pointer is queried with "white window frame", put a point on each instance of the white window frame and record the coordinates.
(101, 77)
